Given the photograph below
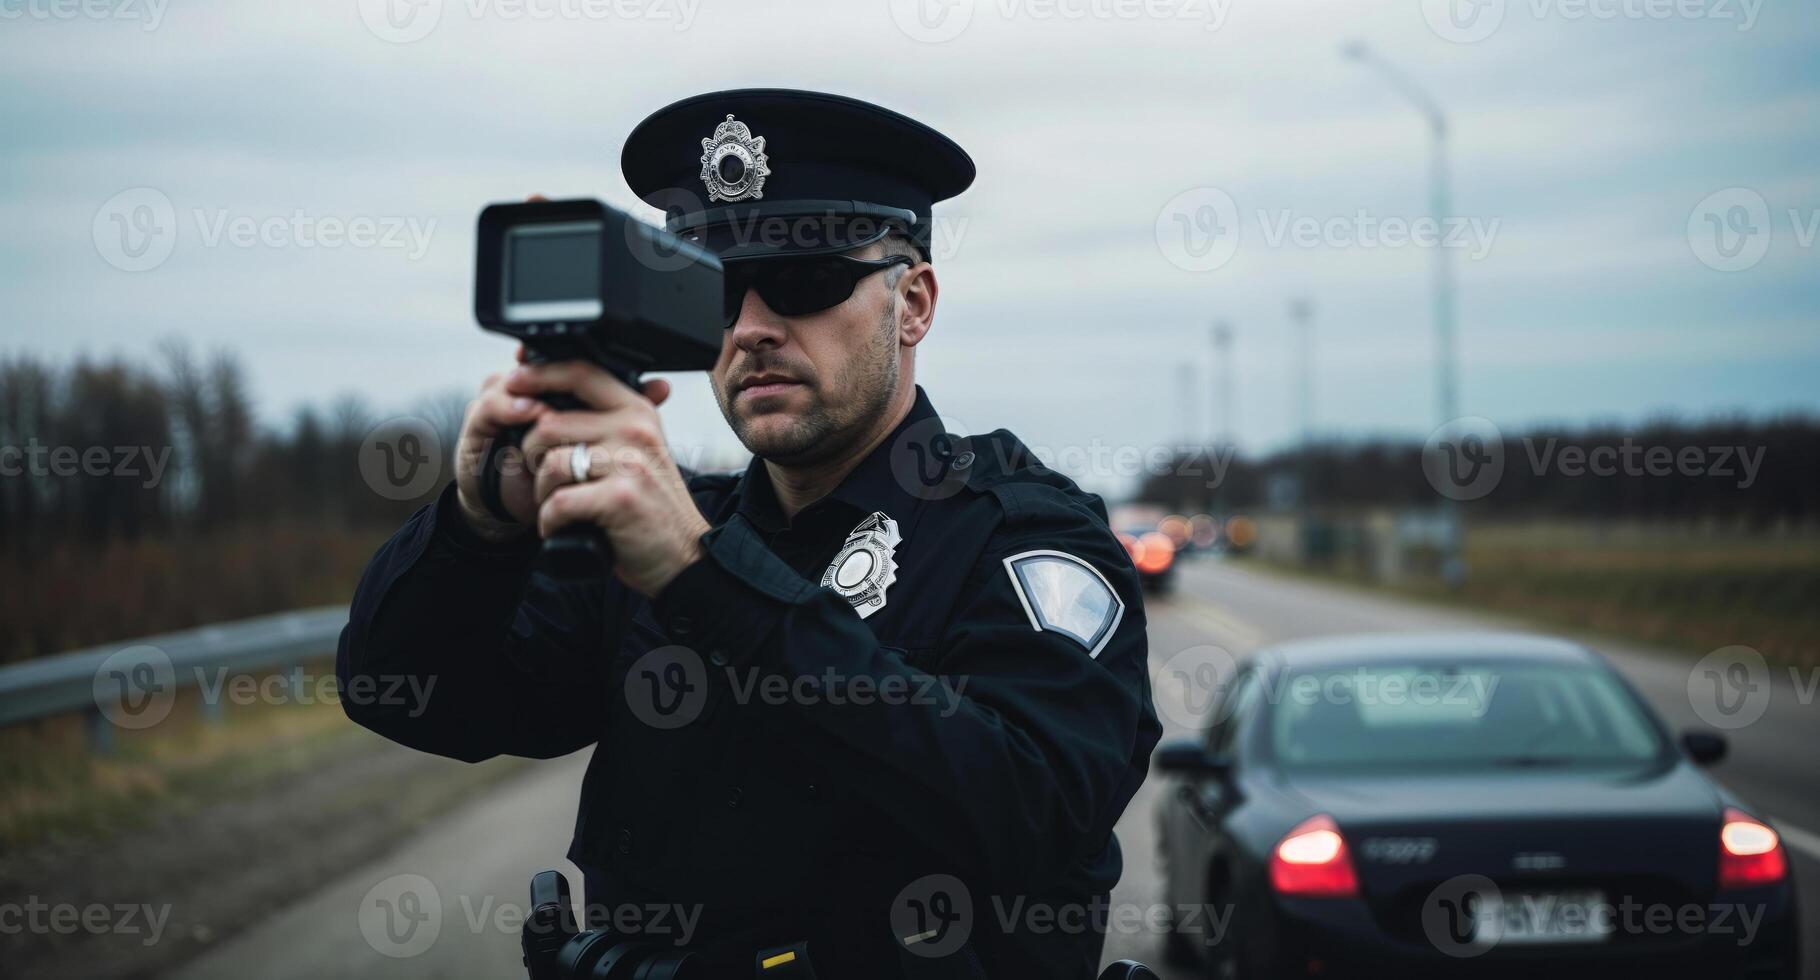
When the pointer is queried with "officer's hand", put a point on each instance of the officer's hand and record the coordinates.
(633, 489)
(489, 415)
(494, 411)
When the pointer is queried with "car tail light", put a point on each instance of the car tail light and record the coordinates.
(1152, 554)
(1750, 853)
(1312, 861)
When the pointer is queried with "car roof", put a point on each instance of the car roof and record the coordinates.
(1355, 649)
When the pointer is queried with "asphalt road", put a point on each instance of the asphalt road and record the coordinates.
(446, 905)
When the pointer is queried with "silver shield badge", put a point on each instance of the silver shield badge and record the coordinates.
(733, 163)
(1063, 594)
(865, 568)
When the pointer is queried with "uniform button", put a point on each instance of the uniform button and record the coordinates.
(733, 798)
(963, 461)
(718, 658)
(624, 842)
(815, 792)
(681, 626)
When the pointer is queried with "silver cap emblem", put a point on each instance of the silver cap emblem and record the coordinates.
(733, 163)
(865, 568)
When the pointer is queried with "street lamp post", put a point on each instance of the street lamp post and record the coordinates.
(1221, 402)
(1302, 312)
(1440, 205)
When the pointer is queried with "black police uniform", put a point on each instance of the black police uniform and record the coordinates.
(900, 726)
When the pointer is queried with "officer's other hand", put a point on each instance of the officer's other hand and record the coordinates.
(489, 414)
(633, 491)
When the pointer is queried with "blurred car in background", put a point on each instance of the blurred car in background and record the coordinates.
(1477, 804)
(1141, 529)
(1152, 554)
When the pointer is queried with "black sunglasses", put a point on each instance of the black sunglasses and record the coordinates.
(798, 287)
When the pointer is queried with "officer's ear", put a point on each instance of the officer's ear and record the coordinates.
(916, 294)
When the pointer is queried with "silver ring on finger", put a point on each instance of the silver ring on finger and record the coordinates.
(580, 462)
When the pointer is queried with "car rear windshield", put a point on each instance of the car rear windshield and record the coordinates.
(1519, 714)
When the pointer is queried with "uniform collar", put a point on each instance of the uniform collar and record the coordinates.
(871, 486)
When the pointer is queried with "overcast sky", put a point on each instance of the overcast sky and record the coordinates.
(1637, 184)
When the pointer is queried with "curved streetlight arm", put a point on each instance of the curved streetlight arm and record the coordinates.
(1406, 87)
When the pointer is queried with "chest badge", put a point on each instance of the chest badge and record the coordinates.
(865, 568)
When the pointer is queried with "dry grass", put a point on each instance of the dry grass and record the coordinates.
(52, 784)
(73, 596)
(1685, 589)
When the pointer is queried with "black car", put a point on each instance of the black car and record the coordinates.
(1460, 805)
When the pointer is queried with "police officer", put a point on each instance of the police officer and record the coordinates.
(884, 692)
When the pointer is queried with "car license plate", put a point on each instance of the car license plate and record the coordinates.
(1541, 917)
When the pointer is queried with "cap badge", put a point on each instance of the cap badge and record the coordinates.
(865, 568)
(733, 163)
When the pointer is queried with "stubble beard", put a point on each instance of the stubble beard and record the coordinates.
(820, 432)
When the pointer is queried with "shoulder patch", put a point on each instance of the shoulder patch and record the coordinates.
(1063, 594)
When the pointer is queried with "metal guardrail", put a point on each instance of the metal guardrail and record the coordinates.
(77, 681)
